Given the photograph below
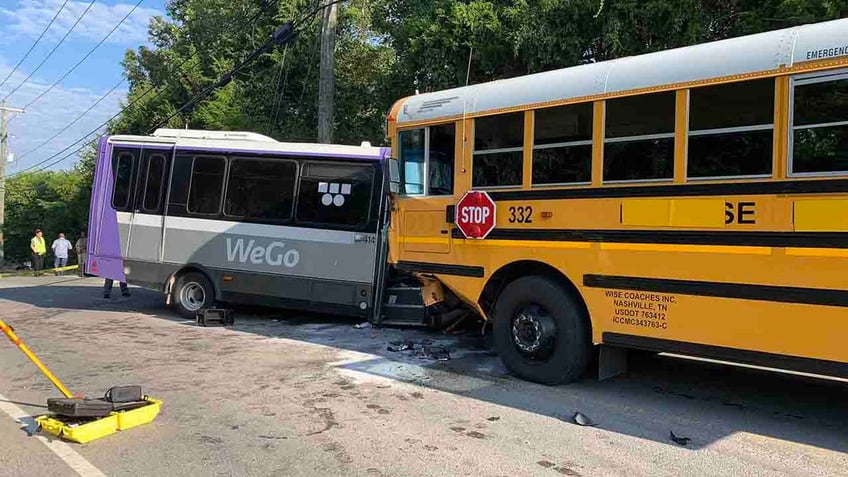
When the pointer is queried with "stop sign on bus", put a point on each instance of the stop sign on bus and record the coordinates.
(475, 214)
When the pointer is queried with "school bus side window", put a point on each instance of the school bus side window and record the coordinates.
(562, 145)
(731, 130)
(427, 160)
(639, 138)
(411, 161)
(498, 151)
(820, 125)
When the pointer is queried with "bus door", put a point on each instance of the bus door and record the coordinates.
(426, 195)
(146, 221)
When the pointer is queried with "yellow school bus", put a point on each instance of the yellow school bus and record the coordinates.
(692, 201)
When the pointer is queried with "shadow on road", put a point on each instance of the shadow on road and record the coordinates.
(704, 401)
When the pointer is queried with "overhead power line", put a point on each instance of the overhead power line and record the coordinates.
(73, 27)
(37, 41)
(132, 103)
(282, 35)
(80, 62)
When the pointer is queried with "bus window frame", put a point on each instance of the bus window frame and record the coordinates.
(425, 185)
(824, 76)
(707, 132)
(475, 153)
(402, 175)
(162, 185)
(645, 137)
(133, 173)
(242, 218)
(361, 227)
(584, 142)
(219, 213)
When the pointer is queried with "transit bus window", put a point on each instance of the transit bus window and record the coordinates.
(335, 195)
(498, 151)
(820, 129)
(639, 138)
(731, 130)
(154, 180)
(207, 182)
(261, 189)
(562, 145)
(124, 172)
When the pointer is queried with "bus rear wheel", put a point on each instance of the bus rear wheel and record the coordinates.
(193, 292)
(541, 331)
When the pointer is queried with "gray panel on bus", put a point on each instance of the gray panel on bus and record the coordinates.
(314, 253)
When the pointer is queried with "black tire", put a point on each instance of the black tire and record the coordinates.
(541, 331)
(192, 293)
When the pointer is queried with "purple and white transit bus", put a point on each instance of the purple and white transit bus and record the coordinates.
(210, 216)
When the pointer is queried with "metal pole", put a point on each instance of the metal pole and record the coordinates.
(10, 333)
(4, 111)
(326, 86)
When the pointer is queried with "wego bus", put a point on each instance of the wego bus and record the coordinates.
(238, 217)
(689, 201)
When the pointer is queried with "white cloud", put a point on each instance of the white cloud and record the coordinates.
(51, 114)
(29, 17)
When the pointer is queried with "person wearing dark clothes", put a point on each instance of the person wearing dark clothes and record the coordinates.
(107, 288)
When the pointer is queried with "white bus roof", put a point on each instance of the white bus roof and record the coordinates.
(720, 59)
(238, 141)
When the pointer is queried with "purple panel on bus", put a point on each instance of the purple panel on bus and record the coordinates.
(104, 241)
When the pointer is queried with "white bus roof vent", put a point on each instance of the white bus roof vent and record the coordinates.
(217, 135)
(365, 144)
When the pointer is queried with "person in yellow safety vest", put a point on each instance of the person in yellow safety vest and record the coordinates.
(39, 250)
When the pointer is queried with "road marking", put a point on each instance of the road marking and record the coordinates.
(69, 456)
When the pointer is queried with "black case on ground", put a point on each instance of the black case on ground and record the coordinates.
(70, 407)
(119, 394)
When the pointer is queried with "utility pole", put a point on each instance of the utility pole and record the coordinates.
(326, 83)
(4, 135)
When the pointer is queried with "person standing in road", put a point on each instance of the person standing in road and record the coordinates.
(81, 248)
(107, 288)
(60, 247)
(39, 249)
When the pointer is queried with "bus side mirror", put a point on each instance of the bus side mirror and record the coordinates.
(394, 176)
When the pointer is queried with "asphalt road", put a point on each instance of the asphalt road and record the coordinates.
(288, 394)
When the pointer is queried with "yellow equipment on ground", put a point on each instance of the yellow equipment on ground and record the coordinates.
(83, 430)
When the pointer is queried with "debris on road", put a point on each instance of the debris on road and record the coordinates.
(424, 349)
(678, 440)
(583, 420)
(363, 326)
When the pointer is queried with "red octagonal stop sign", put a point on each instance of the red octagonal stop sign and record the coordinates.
(475, 214)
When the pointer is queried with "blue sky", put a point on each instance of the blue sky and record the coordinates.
(21, 22)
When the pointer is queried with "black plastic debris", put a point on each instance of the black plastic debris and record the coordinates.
(425, 349)
(678, 440)
(582, 420)
(397, 346)
(439, 353)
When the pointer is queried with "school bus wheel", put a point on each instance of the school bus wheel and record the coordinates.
(540, 331)
(193, 292)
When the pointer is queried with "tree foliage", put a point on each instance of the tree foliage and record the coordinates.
(385, 50)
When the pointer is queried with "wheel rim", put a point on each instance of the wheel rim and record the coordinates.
(192, 296)
(534, 332)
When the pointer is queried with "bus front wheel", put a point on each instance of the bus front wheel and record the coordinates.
(541, 331)
(193, 293)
